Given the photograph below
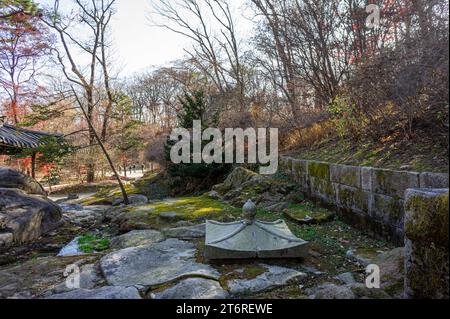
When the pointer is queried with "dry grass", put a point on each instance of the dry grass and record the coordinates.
(308, 136)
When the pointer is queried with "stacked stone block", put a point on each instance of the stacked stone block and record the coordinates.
(426, 244)
(370, 198)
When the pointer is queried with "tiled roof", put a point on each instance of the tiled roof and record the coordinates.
(16, 137)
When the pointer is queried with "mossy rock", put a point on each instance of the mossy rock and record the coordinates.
(154, 186)
(426, 229)
(428, 219)
(307, 213)
(237, 178)
(193, 209)
(107, 196)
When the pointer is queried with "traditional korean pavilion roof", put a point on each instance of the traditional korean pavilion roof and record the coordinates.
(12, 137)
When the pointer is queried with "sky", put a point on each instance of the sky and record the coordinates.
(138, 45)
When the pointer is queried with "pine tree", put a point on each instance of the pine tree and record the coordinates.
(194, 107)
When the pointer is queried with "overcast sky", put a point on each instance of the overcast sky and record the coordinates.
(139, 45)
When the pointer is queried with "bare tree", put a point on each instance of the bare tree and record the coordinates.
(94, 16)
(212, 28)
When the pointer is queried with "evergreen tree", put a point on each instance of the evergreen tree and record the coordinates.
(194, 107)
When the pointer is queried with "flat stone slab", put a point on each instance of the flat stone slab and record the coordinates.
(154, 264)
(100, 293)
(136, 238)
(194, 288)
(274, 277)
(187, 232)
(80, 215)
(71, 249)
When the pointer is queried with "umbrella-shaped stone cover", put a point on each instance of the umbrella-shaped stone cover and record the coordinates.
(252, 239)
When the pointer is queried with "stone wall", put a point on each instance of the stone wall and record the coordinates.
(370, 198)
(426, 244)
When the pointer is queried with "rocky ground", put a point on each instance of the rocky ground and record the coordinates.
(154, 250)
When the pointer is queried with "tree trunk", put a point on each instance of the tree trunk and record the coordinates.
(105, 152)
(33, 165)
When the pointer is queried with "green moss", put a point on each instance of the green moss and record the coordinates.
(254, 189)
(319, 170)
(189, 208)
(428, 230)
(107, 194)
(305, 209)
(430, 219)
(91, 243)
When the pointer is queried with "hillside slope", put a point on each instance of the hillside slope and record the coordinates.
(420, 154)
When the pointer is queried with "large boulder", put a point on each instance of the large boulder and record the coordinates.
(237, 178)
(27, 217)
(243, 184)
(84, 216)
(13, 179)
(154, 186)
(154, 264)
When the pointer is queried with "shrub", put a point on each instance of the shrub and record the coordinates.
(194, 107)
